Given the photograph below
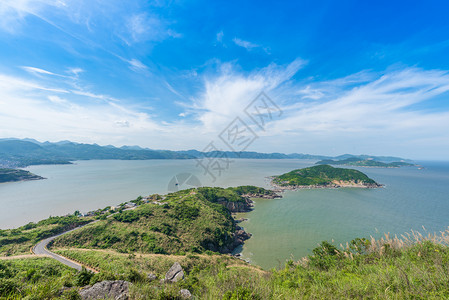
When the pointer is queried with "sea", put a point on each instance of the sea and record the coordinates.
(282, 229)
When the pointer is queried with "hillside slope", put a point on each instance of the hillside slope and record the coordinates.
(194, 220)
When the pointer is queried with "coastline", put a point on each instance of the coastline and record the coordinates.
(333, 185)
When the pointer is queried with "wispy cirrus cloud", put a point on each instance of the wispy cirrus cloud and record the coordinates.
(137, 66)
(13, 13)
(144, 27)
(367, 110)
(32, 107)
(249, 45)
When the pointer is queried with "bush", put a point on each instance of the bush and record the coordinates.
(83, 277)
(128, 216)
(324, 256)
(241, 293)
(186, 212)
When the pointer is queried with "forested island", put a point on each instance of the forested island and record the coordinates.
(12, 175)
(359, 162)
(323, 176)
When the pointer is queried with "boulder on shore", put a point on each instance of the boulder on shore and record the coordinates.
(109, 289)
(175, 273)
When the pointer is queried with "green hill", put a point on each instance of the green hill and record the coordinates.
(323, 176)
(194, 220)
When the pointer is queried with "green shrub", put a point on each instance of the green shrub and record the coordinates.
(83, 277)
(241, 293)
(127, 216)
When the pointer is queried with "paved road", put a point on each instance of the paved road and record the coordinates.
(41, 249)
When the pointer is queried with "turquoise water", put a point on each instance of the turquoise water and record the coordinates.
(281, 228)
(292, 226)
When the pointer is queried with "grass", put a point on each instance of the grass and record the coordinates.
(20, 240)
(35, 278)
(412, 266)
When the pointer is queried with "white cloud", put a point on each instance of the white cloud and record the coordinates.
(225, 96)
(137, 66)
(364, 112)
(14, 12)
(29, 108)
(75, 71)
(381, 113)
(249, 45)
(33, 70)
(143, 27)
(245, 44)
(57, 100)
(367, 112)
(219, 36)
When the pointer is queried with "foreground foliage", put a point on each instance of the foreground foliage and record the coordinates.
(368, 269)
(36, 278)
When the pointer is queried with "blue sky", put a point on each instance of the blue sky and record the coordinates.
(349, 76)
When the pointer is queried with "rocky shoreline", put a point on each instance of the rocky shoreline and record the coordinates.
(333, 185)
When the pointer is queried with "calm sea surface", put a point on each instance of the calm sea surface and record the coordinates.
(282, 228)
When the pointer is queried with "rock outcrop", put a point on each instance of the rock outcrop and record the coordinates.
(117, 289)
(185, 294)
(240, 236)
(175, 273)
(237, 206)
(151, 277)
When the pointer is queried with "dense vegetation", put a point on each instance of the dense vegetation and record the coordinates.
(321, 175)
(356, 161)
(414, 268)
(20, 240)
(10, 175)
(185, 221)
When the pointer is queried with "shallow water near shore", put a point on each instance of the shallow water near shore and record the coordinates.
(281, 228)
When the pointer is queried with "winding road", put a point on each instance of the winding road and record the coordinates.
(41, 249)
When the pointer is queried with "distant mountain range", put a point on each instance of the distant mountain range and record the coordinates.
(361, 162)
(25, 152)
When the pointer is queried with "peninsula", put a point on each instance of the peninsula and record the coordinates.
(11, 175)
(323, 176)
